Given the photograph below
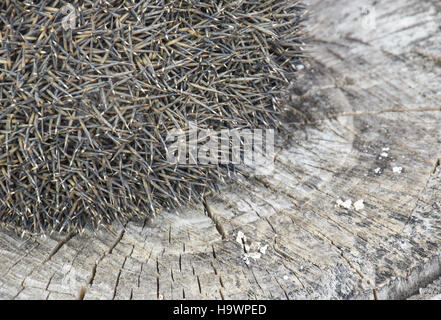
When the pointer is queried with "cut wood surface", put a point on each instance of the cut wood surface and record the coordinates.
(371, 99)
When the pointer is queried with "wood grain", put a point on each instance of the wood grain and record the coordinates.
(365, 92)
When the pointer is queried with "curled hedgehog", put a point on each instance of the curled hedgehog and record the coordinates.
(89, 91)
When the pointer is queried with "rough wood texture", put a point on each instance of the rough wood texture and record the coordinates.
(375, 91)
(431, 292)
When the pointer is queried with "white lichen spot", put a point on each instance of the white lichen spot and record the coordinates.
(254, 255)
(251, 255)
(385, 149)
(344, 204)
(254, 246)
(263, 249)
(384, 155)
(241, 238)
(253, 250)
(377, 171)
(359, 205)
(397, 169)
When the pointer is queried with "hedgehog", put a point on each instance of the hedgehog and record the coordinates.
(90, 90)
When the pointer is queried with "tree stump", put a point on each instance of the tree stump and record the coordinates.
(370, 97)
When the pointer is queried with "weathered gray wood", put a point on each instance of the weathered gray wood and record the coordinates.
(367, 92)
(431, 292)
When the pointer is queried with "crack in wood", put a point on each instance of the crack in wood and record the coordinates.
(120, 271)
(219, 227)
(81, 293)
(60, 245)
(437, 165)
(106, 253)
